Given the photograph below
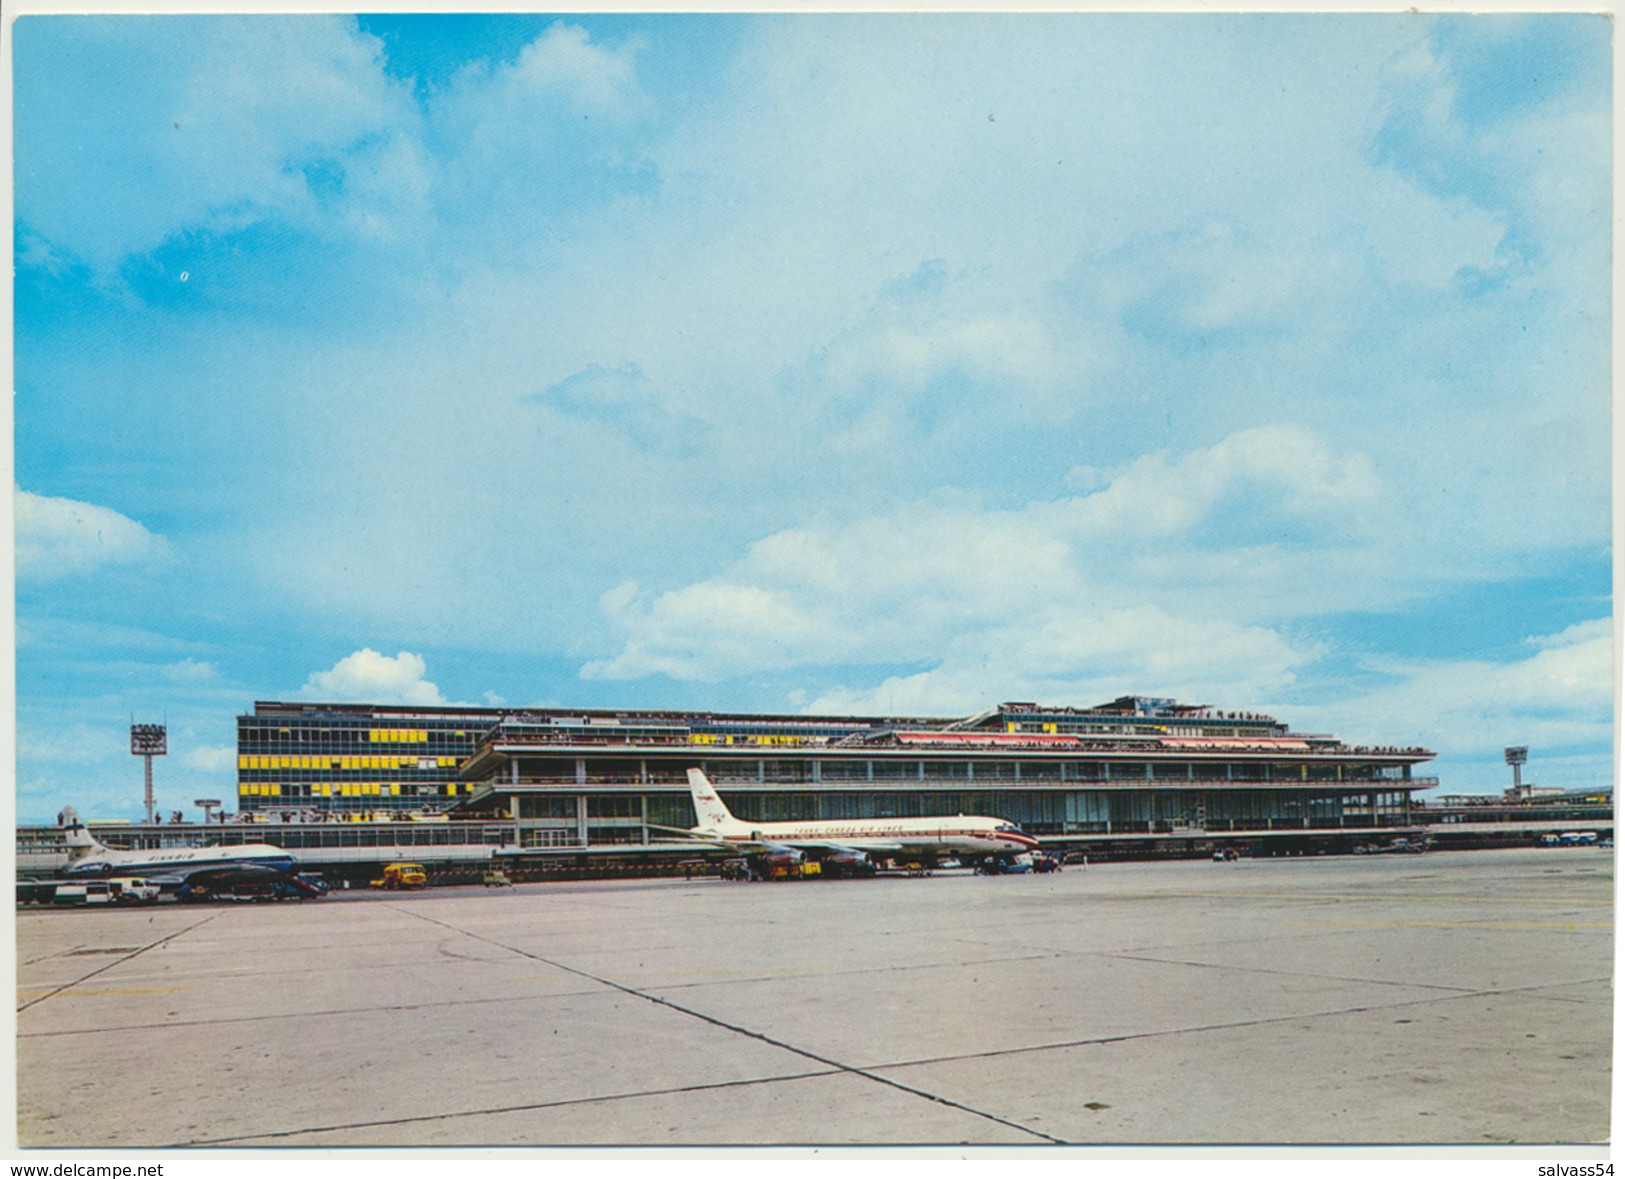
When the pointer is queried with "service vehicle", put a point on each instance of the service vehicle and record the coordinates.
(94, 892)
(402, 875)
(132, 890)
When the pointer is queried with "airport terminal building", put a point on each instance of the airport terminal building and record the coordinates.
(572, 780)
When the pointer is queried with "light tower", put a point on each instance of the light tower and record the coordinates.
(1516, 756)
(148, 742)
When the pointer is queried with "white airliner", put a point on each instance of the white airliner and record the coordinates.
(851, 841)
(194, 871)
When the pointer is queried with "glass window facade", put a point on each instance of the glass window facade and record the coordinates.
(611, 776)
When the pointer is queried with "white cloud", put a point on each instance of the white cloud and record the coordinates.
(211, 759)
(523, 139)
(190, 671)
(624, 399)
(1561, 695)
(76, 745)
(1064, 591)
(1083, 657)
(198, 140)
(60, 538)
(368, 676)
(1282, 486)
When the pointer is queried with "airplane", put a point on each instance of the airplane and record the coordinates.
(850, 844)
(194, 872)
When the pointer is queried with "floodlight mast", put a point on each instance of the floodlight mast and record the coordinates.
(1516, 756)
(148, 742)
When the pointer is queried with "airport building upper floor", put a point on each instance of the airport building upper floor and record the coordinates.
(353, 756)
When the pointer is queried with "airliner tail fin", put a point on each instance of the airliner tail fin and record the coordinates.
(81, 842)
(709, 809)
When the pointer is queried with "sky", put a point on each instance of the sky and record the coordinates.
(879, 364)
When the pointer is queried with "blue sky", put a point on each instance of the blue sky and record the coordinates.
(887, 363)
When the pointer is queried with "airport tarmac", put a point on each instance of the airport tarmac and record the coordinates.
(1461, 998)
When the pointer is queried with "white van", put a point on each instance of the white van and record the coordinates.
(132, 890)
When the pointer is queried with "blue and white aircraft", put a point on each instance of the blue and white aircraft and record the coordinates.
(191, 871)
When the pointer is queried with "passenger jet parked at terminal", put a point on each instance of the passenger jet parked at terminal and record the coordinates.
(851, 842)
(192, 871)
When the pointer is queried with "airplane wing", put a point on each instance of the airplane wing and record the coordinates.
(848, 846)
(820, 849)
(217, 876)
(704, 840)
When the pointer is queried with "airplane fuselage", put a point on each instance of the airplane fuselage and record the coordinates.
(188, 860)
(973, 835)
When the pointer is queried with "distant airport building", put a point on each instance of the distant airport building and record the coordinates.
(590, 779)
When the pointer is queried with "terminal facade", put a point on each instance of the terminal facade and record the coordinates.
(571, 779)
